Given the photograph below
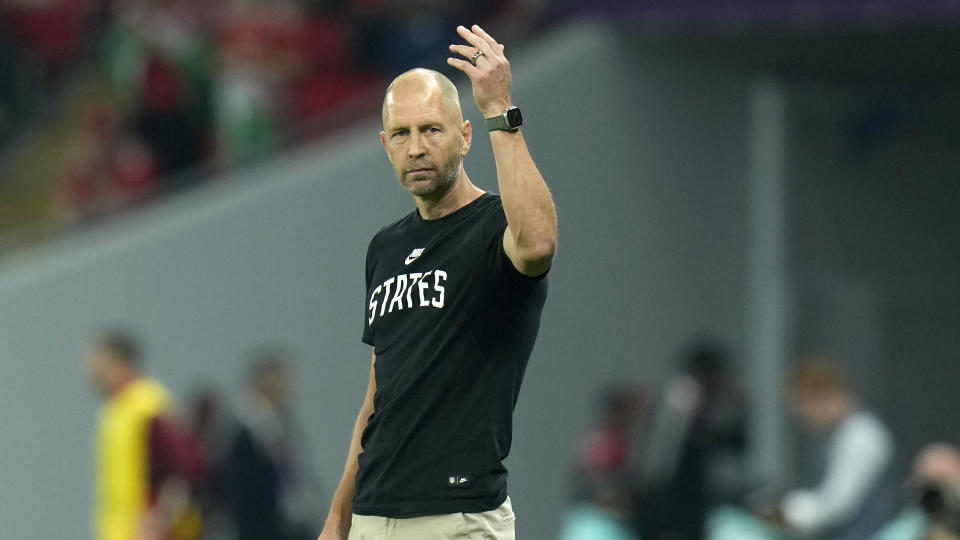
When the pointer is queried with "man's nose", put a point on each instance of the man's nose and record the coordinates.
(415, 150)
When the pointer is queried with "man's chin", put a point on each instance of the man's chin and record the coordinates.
(423, 192)
(424, 187)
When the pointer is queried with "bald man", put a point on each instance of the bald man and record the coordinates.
(454, 295)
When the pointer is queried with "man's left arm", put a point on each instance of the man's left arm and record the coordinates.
(531, 236)
(176, 465)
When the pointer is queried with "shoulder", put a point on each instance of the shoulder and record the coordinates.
(393, 230)
(863, 429)
(491, 202)
(867, 422)
(490, 211)
(149, 395)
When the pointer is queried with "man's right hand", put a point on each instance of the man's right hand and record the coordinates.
(333, 533)
(340, 516)
(334, 530)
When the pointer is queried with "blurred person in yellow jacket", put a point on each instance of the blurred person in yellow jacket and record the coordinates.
(147, 465)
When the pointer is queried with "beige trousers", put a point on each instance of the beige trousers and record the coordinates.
(493, 525)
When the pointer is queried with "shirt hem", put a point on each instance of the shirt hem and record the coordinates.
(430, 508)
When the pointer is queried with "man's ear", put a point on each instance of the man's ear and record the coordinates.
(383, 139)
(466, 131)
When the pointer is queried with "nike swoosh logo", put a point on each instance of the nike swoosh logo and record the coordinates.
(414, 255)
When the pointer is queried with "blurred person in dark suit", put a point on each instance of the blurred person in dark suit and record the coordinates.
(213, 427)
(848, 494)
(147, 463)
(269, 481)
(695, 446)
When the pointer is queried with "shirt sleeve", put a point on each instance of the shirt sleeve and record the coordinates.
(859, 455)
(367, 336)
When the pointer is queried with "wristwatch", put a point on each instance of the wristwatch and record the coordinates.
(510, 120)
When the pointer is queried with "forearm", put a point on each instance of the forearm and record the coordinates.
(531, 237)
(341, 509)
(342, 505)
(527, 203)
(172, 501)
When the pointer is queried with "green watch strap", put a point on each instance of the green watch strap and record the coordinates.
(498, 123)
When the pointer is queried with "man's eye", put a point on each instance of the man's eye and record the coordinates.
(401, 133)
(433, 130)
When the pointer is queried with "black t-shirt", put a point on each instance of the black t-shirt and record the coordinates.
(452, 323)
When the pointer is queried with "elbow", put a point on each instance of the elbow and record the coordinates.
(540, 251)
(547, 248)
(531, 251)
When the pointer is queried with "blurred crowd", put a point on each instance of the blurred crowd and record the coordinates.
(105, 103)
(167, 471)
(666, 464)
(671, 464)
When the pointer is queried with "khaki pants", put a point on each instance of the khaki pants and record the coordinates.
(493, 525)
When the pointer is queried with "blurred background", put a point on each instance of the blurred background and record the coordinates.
(758, 277)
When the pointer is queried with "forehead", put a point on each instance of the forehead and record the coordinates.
(414, 104)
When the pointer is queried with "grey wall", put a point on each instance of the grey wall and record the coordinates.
(645, 156)
(875, 234)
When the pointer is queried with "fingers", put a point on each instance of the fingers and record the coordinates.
(489, 73)
(487, 37)
(464, 66)
(463, 50)
(475, 40)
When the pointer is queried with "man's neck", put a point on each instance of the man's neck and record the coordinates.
(121, 384)
(462, 193)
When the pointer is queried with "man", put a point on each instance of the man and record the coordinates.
(454, 295)
(269, 481)
(850, 497)
(934, 512)
(146, 463)
(695, 443)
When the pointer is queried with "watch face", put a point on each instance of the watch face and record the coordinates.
(514, 118)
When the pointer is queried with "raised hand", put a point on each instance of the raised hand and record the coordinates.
(487, 68)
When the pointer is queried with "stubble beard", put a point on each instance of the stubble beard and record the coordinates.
(447, 174)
